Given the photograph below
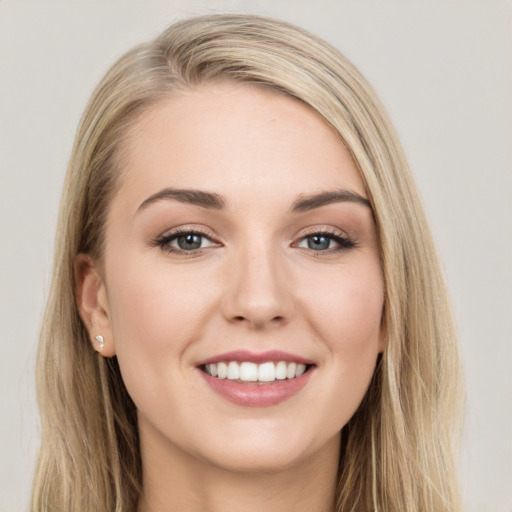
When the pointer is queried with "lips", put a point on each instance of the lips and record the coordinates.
(256, 379)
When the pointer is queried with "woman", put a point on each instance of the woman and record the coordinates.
(246, 308)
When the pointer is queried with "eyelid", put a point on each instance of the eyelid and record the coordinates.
(198, 230)
(163, 240)
(343, 239)
(323, 230)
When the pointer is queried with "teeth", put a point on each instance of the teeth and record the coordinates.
(222, 370)
(301, 368)
(266, 372)
(248, 372)
(290, 370)
(281, 370)
(252, 372)
(233, 371)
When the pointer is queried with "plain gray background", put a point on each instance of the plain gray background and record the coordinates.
(443, 68)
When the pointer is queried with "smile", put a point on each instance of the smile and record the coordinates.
(247, 371)
(261, 379)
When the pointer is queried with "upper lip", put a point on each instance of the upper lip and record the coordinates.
(256, 357)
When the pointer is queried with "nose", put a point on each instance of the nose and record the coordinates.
(259, 292)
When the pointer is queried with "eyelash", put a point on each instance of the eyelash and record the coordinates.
(344, 242)
(164, 241)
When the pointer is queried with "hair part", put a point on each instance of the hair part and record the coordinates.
(398, 450)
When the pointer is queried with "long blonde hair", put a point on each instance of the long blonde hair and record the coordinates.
(399, 449)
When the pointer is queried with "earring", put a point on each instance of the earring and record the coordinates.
(100, 340)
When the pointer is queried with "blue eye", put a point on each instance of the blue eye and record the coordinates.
(189, 242)
(184, 241)
(322, 242)
(318, 243)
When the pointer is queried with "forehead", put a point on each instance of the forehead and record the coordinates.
(243, 142)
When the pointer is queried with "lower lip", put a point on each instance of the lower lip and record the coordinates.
(257, 395)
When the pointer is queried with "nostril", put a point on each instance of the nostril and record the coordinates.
(241, 318)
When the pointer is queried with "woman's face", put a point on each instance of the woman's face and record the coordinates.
(241, 236)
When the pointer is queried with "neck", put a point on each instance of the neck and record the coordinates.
(175, 481)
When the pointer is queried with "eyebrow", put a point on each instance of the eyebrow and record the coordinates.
(215, 201)
(195, 197)
(309, 202)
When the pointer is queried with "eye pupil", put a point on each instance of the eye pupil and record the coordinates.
(318, 242)
(189, 242)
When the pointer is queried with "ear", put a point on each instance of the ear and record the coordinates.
(92, 300)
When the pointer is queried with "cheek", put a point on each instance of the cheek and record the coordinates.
(345, 308)
(150, 304)
(154, 315)
(348, 322)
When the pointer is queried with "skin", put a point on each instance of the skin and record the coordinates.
(255, 284)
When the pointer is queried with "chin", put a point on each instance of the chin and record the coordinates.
(258, 462)
(267, 451)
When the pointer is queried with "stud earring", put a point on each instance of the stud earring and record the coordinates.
(100, 340)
